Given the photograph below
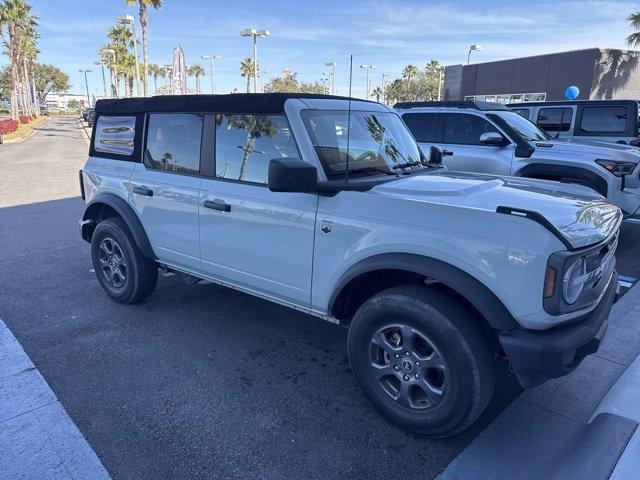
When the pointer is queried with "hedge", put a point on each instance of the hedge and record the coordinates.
(8, 126)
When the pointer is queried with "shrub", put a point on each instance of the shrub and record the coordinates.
(8, 126)
(24, 119)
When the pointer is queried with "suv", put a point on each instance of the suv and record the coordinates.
(601, 120)
(488, 137)
(327, 205)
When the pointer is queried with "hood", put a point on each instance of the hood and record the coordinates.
(587, 149)
(582, 216)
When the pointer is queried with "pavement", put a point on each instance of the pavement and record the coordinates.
(201, 381)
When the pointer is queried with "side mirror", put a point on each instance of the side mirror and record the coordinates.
(292, 175)
(435, 155)
(493, 139)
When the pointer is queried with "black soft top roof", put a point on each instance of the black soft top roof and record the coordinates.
(232, 103)
(483, 106)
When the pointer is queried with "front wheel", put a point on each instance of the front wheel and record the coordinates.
(124, 273)
(422, 361)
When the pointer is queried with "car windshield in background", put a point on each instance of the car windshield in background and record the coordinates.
(379, 143)
(524, 127)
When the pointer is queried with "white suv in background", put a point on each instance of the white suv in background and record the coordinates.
(327, 205)
(488, 137)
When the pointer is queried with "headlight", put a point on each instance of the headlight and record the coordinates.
(573, 284)
(618, 168)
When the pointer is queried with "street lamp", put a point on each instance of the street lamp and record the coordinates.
(333, 76)
(128, 20)
(255, 34)
(111, 52)
(86, 83)
(476, 47)
(383, 87)
(211, 58)
(368, 68)
(104, 81)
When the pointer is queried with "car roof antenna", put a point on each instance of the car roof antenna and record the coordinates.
(346, 172)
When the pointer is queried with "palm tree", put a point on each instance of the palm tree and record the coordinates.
(155, 71)
(410, 71)
(377, 92)
(143, 4)
(196, 71)
(633, 40)
(256, 126)
(28, 53)
(16, 16)
(247, 71)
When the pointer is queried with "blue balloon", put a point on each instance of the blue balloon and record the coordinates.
(572, 93)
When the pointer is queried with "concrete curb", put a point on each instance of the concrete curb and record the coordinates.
(583, 425)
(38, 439)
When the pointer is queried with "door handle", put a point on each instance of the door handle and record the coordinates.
(217, 204)
(142, 190)
(447, 153)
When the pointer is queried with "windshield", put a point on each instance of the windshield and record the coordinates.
(378, 142)
(524, 127)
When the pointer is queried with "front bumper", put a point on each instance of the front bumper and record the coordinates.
(537, 356)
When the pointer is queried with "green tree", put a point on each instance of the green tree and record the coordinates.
(16, 22)
(256, 126)
(47, 79)
(155, 71)
(73, 104)
(377, 92)
(288, 82)
(122, 62)
(196, 71)
(247, 71)
(633, 40)
(144, 22)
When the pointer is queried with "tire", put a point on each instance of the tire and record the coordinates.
(445, 381)
(124, 273)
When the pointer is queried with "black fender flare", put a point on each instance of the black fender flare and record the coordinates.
(129, 216)
(595, 181)
(475, 292)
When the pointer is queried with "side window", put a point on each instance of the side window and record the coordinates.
(604, 119)
(115, 135)
(173, 141)
(523, 112)
(555, 119)
(464, 129)
(422, 125)
(245, 144)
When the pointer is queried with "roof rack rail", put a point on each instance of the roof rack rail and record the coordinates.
(484, 106)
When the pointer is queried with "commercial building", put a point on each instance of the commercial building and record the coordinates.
(598, 73)
(60, 101)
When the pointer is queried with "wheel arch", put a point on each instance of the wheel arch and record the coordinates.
(559, 172)
(106, 205)
(411, 268)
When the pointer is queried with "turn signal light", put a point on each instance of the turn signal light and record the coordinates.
(549, 282)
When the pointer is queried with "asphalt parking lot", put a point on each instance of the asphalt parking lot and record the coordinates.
(199, 381)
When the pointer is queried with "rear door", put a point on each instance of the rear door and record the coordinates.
(609, 123)
(425, 128)
(462, 150)
(251, 237)
(556, 121)
(165, 187)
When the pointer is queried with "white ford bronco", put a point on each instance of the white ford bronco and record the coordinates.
(328, 206)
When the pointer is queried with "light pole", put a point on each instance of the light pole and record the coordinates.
(367, 68)
(211, 58)
(333, 76)
(384, 93)
(255, 34)
(440, 79)
(128, 20)
(104, 81)
(86, 83)
(111, 52)
(476, 47)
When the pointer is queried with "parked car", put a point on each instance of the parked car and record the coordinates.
(602, 120)
(328, 206)
(85, 113)
(91, 115)
(489, 138)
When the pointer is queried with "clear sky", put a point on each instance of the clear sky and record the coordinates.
(306, 34)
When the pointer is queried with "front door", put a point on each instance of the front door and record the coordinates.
(462, 150)
(250, 236)
(165, 188)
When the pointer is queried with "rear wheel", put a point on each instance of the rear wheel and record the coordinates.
(122, 270)
(421, 360)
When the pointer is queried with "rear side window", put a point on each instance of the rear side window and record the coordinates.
(115, 135)
(523, 112)
(604, 119)
(173, 142)
(245, 144)
(463, 129)
(422, 125)
(555, 119)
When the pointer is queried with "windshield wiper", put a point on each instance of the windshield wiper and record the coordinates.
(410, 164)
(361, 170)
